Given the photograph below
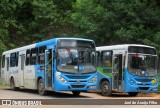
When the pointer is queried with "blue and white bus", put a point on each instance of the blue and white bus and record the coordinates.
(59, 64)
(127, 68)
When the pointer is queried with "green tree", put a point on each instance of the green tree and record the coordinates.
(31, 21)
(117, 21)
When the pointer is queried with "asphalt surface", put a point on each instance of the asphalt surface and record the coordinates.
(91, 100)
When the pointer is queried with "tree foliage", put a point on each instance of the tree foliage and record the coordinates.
(30, 21)
(118, 21)
(107, 22)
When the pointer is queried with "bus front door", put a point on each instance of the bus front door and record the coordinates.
(48, 69)
(117, 73)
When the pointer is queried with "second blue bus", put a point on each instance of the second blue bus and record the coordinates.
(130, 68)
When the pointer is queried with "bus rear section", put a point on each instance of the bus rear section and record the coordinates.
(127, 68)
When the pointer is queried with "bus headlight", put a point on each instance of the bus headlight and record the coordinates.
(93, 79)
(60, 78)
(131, 81)
(153, 81)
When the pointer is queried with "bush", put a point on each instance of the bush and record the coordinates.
(2, 84)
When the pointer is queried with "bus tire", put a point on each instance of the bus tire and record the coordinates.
(13, 85)
(106, 88)
(41, 88)
(76, 93)
(133, 93)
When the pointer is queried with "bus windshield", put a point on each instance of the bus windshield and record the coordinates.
(76, 60)
(142, 65)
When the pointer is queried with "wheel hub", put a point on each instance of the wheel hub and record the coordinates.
(105, 88)
(40, 87)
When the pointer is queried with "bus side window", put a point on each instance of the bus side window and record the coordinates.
(3, 61)
(98, 58)
(107, 58)
(28, 57)
(33, 56)
(41, 55)
(13, 59)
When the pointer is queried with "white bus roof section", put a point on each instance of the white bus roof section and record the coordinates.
(46, 42)
(119, 47)
(20, 49)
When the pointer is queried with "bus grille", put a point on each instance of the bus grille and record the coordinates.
(77, 77)
(143, 88)
(144, 80)
(78, 86)
(77, 81)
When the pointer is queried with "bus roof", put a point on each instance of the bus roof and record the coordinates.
(43, 43)
(120, 47)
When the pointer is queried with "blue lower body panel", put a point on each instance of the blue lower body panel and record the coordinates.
(140, 88)
(74, 86)
(76, 82)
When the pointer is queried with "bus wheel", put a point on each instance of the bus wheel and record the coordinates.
(133, 93)
(13, 85)
(76, 93)
(106, 88)
(41, 89)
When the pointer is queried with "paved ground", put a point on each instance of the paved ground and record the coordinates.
(63, 97)
(7, 93)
